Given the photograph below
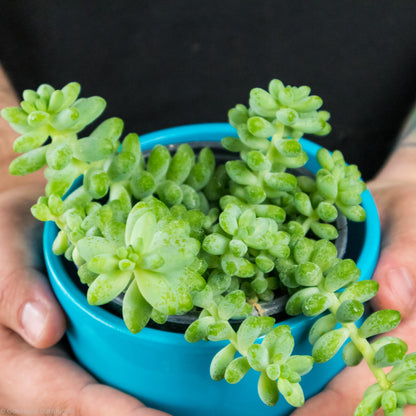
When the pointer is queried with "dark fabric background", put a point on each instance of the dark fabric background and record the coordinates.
(165, 63)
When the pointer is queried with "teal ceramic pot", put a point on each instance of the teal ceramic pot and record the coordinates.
(162, 369)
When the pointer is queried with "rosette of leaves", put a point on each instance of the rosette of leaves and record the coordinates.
(280, 371)
(284, 114)
(153, 266)
(60, 115)
(175, 180)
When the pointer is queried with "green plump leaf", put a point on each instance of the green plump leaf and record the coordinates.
(292, 392)
(369, 405)
(220, 362)
(215, 243)
(405, 381)
(90, 247)
(238, 115)
(303, 203)
(59, 155)
(361, 291)
(281, 181)
(142, 185)
(232, 304)
(408, 364)
(237, 266)
(96, 183)
(61, 243)
(170, 192)
(156, 289)
(252, 328)
(107, 286)
(349, 198)
(265, 263)
(55, 101)
(325, 159)
(290, 148)
(308, 274)
(257, 161)
(327, 185)
(262, 103)
(71, 92)
(301, 364)
(233, 144)
(349, 311)
(390, 353)
(251, 141)
(351, 354)
(239, 173)
(280, 343)
(103, 263)
(30, 141)
(295, 302)
(65, 119)
(198, 330)
(389, 401)
(203, 170)
(324, 254)
(303, 250)
(136, 310)
(181, 164)
(89, 109)
(321, 326)
(45, 91)
(38, 119)
(121, 166)
(220, 331)
(29, 162)
(341, 274)
(329, 344)
(273, 212)
(380, 322)
(267, 389)
(325, 231)
(327, 211)
(287, 116)
(260, 127)
(91, 149)
(258, 357)
(236, 370)
(354, 213)
(158, 162)
(109, 129)
(316, 304)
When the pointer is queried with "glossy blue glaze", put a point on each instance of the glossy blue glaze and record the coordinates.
(161, 368)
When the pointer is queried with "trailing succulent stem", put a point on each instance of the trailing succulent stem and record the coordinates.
(173, 232)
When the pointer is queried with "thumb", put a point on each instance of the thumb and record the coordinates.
(396, 268)
(27, 305)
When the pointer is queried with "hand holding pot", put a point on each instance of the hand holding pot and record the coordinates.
(394, 190)
(36, 377)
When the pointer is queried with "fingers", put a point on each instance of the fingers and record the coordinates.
(396, 269)
(396, 273)
(46, 379)
(27, 305)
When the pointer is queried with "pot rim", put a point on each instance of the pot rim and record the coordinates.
(61, 280)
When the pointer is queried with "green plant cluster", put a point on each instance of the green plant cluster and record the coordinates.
(173, 232)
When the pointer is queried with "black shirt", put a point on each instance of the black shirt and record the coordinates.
(166, 63)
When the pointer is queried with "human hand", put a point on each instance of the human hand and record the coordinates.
(36, 376)
(394, 191)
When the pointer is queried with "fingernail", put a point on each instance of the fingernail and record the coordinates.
(34, 319)
(402, 286)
